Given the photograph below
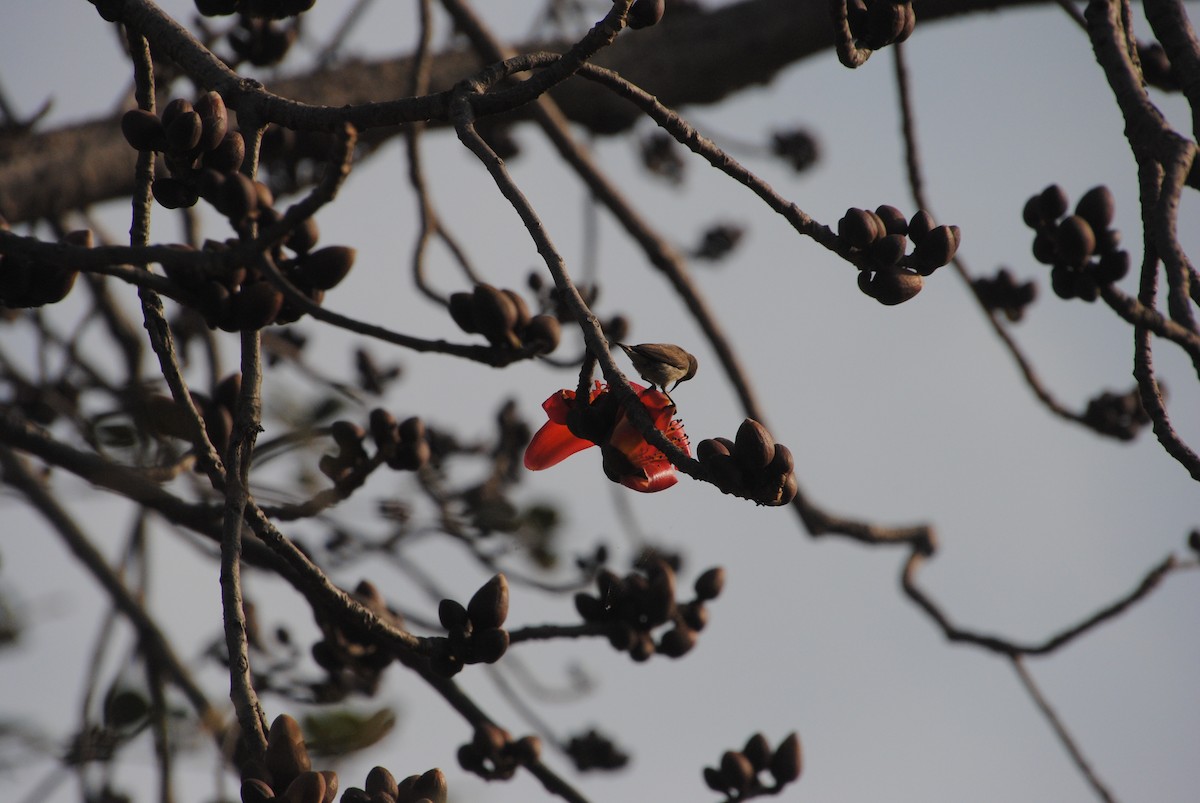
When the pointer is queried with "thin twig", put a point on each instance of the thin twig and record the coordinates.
(1060, 730)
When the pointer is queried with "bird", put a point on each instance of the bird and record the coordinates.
(661, 364)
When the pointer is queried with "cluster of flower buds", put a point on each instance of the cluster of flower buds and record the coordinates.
(285, 772)
(353, 664)
(1002, 293)
(595, 751)
(1119, 415)
(1083, 252)
(502, 316)
(245, 299)
(644, 13)
(474, 634)
(879, 23)
(797, 146)
(879, 239)
(660, 155)
(29, 283)
(752, 465)
(493, 755)
(193, 138)
(382, 787)
(718, 241)
(403, 444)
(165, 418)
(738, 773)
(633, 606)
(204, 158)
(258, 38)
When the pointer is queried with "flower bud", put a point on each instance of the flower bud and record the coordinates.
(787, 761)
(143, 130)
(286, 755)
(381, 782)
(488, 607)
(709, 585)
(754, 446)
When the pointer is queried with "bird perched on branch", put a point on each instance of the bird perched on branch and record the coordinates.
(661, 364)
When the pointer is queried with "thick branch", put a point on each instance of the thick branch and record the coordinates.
(690, 58)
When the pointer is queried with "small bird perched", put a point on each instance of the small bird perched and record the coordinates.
(661, 363)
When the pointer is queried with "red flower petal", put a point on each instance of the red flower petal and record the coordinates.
(551, 445)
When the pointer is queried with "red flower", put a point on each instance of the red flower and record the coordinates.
(628, 458)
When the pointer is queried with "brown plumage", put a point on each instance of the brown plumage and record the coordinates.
(661, 364)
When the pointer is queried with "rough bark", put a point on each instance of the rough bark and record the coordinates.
(689, 58)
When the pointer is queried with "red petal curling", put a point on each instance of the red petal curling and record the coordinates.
(627, 457)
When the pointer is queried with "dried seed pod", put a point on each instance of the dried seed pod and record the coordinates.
(643, 647)
(325, 268)
(1075, 241)
(588, 607)
(910, 23)
(174, 109)
(217, 8)
(432, 785)
(659, 600)
(143, 130)
(453, 615)
(710, 584)
(227, 156)
(1097, 207)
(1113, 267)
(462, 311)
(936, 249)
(677, 642)
(736, 771)
(184, 132)
(381, 782)
(1044, 248)
(885, 21)
(494, 314)
(543, 334)
(758, 752)
(488, 646)
(304, 236)
(489, 605)
(893, 219)
(791, 487)
(888, 250)
(256, 791)
(523, 315)
(412, 430)
(238, 199)
(919, 225)
(858, 228)
(725, 471)
(695, 614)
(787, 761)
(215, 120)
(331, 785)
(782, 462)
(527, 749)
(708, 447)
(894, 286)
(308, 787)
(254, 306)
(754, 446)
(172, 193)
(286, 755)
(1053, 201)
(644, 13)
(384, 430)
